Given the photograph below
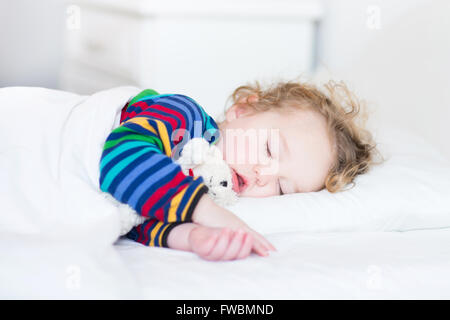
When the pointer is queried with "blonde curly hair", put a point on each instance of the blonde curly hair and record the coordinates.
(353, 145)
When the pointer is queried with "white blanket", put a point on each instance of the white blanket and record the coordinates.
(57, 228)
(342, 265)
(51, 144)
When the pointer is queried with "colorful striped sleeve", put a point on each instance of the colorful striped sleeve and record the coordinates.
(137, 165)
(152, 233)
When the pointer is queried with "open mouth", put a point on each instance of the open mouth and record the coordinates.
(239, 183)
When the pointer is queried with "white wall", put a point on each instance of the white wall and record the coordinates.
(402, 69)
(396, 58)
(31, 42)
(350, 25)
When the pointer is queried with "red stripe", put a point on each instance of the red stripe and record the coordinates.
(175, 113)
(123, 114)
(159, 213)
(147, 109)
(160, 192)
(144, 232)
(173, 123)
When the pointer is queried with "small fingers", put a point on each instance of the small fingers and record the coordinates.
(260, 249)
(263, 241)
(207, 245)
(246, 247)
(234, 246)
(230, 245)
(220, 246)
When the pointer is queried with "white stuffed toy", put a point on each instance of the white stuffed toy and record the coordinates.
(204, 160)
(207, 161)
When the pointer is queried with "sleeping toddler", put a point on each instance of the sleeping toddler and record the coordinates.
(297, 138)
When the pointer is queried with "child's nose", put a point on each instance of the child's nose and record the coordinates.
(261, 179)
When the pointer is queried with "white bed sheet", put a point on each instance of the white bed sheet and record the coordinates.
(356, 265)
(57, 229)
(344, 265)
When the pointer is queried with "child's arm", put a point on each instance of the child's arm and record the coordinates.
(207, 241)
(211, 243)
(218, 234)
(136, 166)
(208, 213)
(152, 232)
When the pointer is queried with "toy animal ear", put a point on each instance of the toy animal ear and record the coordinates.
(194, 152)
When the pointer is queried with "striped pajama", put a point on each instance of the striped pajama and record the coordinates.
(137, 166)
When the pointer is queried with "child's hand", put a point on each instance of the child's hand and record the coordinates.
(220, 244)
(208, 213)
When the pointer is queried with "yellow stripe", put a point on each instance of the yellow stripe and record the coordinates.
(174, 205)
(161, 235)
(154, 232)
(143, 122)
(162, 131)
(164, 137)
(183, 215)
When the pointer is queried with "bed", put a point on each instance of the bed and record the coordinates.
(357, 265)
(386, 238)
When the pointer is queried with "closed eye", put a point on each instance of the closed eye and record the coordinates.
(270, 155)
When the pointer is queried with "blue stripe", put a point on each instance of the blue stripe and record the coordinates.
(119, 179)
(150, 183)
(118, 149)
(186, 198)
(104, 171)
(133, 173)
(194, 106)
(179, 107)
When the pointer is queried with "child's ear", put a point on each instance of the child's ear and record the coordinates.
(240, 108)
(252, 98)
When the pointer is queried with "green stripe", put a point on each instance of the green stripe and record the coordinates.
(119, 167)
(122, 148)
(154, 97)
(124, 128)
(147, 93)
(132, 137)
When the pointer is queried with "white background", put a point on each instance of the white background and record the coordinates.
(404, 79)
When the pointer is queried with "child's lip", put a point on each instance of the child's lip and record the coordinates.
(236, 186)
(235, 181)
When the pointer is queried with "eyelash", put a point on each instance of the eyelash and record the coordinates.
(270, 155)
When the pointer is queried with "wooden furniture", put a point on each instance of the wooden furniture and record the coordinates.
(204, 49)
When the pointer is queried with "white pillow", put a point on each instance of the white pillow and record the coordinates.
(410, 190)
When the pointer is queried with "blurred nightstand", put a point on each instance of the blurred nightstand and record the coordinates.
(204, 49)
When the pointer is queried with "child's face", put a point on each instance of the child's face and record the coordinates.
(272, 152)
